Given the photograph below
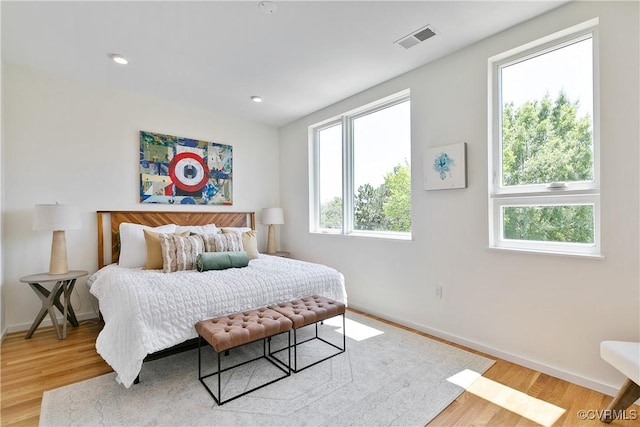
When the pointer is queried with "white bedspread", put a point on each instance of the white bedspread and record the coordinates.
(146, 310)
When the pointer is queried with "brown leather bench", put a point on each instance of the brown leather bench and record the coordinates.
(228, 332)
(310, 311)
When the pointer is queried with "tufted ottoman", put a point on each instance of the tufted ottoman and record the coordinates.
(227, 332)
(307, 311)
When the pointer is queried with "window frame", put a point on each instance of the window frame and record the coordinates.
(314, 166)
(348, 190)
(571, 193)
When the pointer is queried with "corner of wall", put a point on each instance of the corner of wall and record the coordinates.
(3, 328)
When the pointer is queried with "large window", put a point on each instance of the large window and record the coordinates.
(544, 180)
(361, 171)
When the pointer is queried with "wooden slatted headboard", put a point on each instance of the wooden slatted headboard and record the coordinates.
(154, 219)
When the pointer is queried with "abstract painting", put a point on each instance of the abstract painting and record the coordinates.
(445, 167)
(184, 171)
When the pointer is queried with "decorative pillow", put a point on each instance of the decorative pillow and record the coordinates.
(221, 260)
(198, 229)
(238, 230)
(133, 249)
(209, 242)
(180, 253)
(250, 244)
(249, 239)
(231, 242)
(154, 250)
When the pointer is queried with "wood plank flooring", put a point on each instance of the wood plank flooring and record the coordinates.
(29, 367)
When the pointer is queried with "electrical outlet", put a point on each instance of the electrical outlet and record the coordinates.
(438, 291)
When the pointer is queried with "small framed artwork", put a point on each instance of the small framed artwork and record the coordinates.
(445, 167)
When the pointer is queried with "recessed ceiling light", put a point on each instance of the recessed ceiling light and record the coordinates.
(119, 59)
(267, 7)
(257, 99)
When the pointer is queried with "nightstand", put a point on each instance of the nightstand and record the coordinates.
(63, 286)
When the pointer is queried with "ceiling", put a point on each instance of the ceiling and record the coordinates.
(216, 54)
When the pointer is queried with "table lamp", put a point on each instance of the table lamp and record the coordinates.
(272, 216)
(57, 218)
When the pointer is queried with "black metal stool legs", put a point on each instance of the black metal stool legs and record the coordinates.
(265, 355)
(295, 345)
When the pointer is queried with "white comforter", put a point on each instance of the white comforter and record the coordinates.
(146, 310)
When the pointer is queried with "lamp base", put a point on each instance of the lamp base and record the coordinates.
(271, 240)
(58, 263)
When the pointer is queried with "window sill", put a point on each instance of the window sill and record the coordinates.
(552, 253)
(382, 236)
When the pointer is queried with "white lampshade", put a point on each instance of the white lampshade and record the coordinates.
(272, 216)
(56, 217)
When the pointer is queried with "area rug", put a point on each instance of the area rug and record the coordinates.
(387, 376)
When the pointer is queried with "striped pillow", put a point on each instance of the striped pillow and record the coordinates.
(231, 242)
(180, 253)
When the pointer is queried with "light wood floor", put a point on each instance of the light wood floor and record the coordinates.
(29, 367)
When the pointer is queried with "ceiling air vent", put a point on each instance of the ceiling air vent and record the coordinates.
(416, 37)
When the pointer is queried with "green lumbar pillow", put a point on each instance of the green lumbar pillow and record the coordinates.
(221, 260)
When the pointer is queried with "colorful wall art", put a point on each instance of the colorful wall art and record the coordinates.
(445, 167)
(184, 171)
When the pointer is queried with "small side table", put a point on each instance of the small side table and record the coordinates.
(64, 284)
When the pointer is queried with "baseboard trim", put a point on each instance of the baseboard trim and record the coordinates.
(494, 352)
(23, 327)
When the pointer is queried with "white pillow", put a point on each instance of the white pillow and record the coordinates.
(198, 229)
(133, 247)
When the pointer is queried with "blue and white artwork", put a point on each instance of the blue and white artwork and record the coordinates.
(445, 167)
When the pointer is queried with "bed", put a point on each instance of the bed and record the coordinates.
(148, 311)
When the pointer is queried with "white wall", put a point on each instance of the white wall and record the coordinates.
(543, 311)
(69, 142)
